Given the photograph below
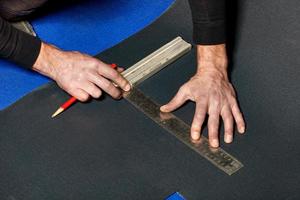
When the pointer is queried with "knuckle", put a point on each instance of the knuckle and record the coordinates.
(213, 112)
(229, 132)
(213, 135)
(232, 100)
(95, 66)
(69, 83)
(73, 85)
(104, 84)
(240, 121)
(229, 119)
(183, 89)
(238, 112)
(213, 130)
(110, 87)
(227, 116)
(195, 127)
(212, 124)
(70, 88)
(201, 101)
(200, 114)
(115, 75)
(234, 107)
(122, 81)
(233, 95)
(85, 74)
(229, 129)
(95, 62)
(215, 102)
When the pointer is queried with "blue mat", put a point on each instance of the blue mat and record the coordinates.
(90, 27)
(176, 196)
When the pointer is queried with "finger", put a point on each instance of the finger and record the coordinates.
(113, 75)
(228, 124)
(91, 89)
(213, 126)
(199, 117)
(80, 94)
(178, 100)
(105, 85)
(238, 117)
(120, 69)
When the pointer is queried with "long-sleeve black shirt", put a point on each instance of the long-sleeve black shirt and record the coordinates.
(17, 46)
(208, 21)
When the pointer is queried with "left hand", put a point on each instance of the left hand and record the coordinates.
(213, 94)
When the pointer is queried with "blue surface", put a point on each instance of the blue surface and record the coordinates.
(90, 27)
(176, 196)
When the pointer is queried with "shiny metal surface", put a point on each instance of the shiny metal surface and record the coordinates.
(217, 156)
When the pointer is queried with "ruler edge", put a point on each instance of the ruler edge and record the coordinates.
(189, 145)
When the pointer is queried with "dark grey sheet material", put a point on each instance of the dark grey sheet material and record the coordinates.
(109, 150)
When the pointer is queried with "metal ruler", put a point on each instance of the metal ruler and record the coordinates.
(156, 61)
(151, 65)
(181, 131)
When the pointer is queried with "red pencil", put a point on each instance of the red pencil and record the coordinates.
(71, 101)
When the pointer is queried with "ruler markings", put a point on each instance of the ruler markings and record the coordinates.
(181, 131)
(147, 67)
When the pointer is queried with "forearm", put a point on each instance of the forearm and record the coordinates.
(18, 46)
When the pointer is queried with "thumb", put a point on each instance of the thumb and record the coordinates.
(178, 100)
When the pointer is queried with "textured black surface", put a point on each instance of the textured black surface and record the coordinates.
(109, 150)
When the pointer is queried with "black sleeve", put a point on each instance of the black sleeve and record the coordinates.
(209, 21)
(17, 46)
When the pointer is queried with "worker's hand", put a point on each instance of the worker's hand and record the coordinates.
(213, 94)
(78, 74)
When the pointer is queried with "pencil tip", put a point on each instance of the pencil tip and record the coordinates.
(60, 110)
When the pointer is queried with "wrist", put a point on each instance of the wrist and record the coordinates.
(212, 56)
(212, 59)
(45, 61)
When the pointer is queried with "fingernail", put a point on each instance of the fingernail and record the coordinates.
(195, 135)
(214, 143)
(127, 87)
(228, 138)
(242, 129)
(163, 108)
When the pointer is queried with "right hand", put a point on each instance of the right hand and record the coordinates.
(79, 74)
